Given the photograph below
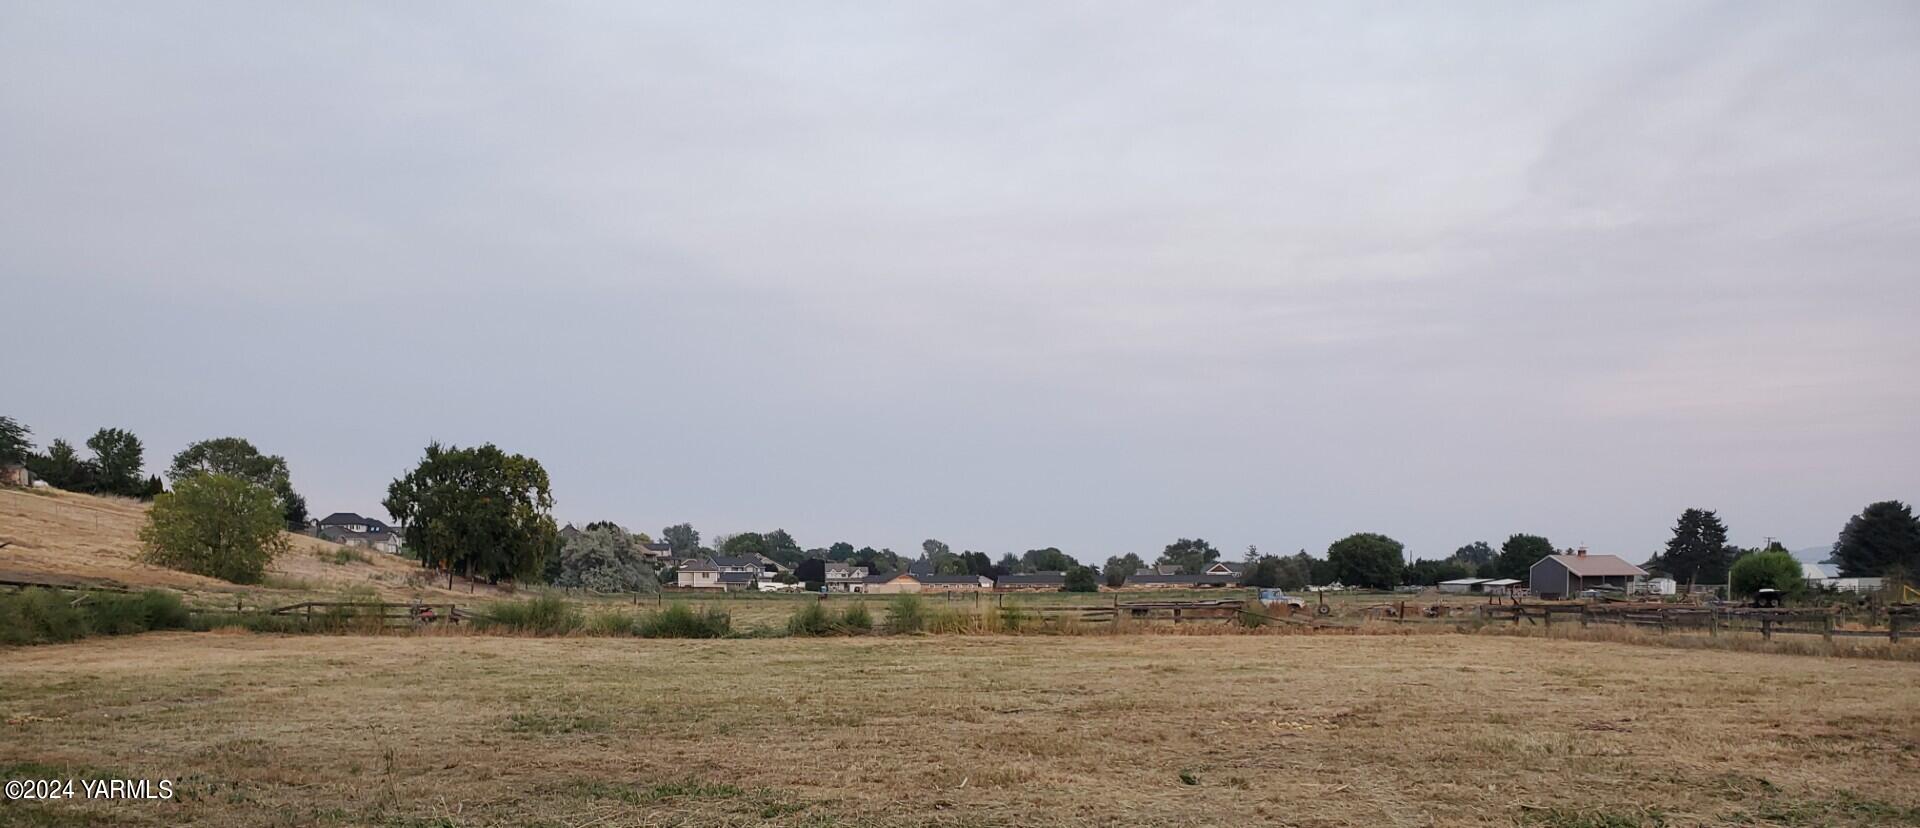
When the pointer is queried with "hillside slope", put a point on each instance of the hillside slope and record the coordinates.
(66, 537)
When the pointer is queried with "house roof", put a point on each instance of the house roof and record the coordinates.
(737, 560)
(698, 565)
(1034, 579)
(1199, 579)
(1465, 581)
(657, 547)
(1595, 566)
(1229, 566)
(947, 579)
(1501, 582)
(1819, 571)
(736, 577)
(341, 518)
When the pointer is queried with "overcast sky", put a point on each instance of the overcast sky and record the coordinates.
(1088, 275)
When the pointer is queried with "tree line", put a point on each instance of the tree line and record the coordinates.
(484, 513)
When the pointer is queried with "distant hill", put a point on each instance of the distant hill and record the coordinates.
(1813, 554)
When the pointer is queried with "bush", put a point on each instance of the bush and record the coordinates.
(1081, 579)
(857, 618)
(610, 623)
(811, 618)
(1766, 570)
(545, 615)
(681, 621)
(214, 525)
(906, 614)
(44, 616)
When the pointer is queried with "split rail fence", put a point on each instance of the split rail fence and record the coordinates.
(1903, 621)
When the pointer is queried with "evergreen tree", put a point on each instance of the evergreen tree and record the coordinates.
(1882, 541)
(1698, 552)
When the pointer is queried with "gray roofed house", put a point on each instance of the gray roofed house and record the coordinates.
(1154, 580)
(708, 573)
(1031, 580)
(353, 522)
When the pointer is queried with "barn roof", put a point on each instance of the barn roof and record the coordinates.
(1596, 566)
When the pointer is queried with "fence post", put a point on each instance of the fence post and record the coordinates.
(1583, 616)
(1766, 628)
(1893, 628)
(1826, 628)
(1549, 618)
(1713, 623)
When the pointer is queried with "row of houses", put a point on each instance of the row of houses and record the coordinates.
(749, 573)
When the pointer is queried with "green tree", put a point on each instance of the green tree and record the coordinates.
(1191, 555)
(1766, 570)
(1473, 555)
(1882, 541)
(1009, 563)
(1296, 571)
(1367, 560)
(1519, 554)
(117, 457)
(681, 538)
(1121, 567)
(215, 525)
(977, 563)
(1265, 571)
(1081, 579)
(63, 468)
(15, 442)
(1698, 552)
(237, 457)
(1428, 573)
(841, 551)
(480, 512)
(602, 558)
(1049, 559)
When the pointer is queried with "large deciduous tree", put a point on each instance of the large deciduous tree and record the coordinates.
(117, 458)
(1882, 541)
(602, 558)
(1772, 569)
(215, 525)
(681, 539)
(479, 512)
(1367, 559)
(1049, 559)
(1519, 554)
(15, 441)
(1190, 554)
(237, 457)
(1121, 567)
(1698, 552)
(1473, 555)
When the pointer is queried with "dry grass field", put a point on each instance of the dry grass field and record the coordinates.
(453, 730)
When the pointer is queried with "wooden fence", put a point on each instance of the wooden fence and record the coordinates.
(1902, 620)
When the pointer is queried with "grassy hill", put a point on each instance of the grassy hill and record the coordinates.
(52, 535)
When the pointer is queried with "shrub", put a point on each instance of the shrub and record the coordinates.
(214, 525)
(951, 621)
(906, 614)
(681, 621)
(857, 618)
(1252, 613)
(1082, 579)
(610, 623)
(44, 616)
(544, 615)
(1766, 570)
(811, 618)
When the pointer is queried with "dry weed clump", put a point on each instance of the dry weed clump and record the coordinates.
(1803, 645)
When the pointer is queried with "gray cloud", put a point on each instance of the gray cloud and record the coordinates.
(1012, 275)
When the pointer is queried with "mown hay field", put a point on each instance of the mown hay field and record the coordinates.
(456, 730)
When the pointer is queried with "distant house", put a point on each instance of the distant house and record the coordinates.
(844, 577)
(1229, 568)
(706, 573)
(656, 551)
(349, 529)
(1200, 580)
(760, 565)
(1566, 576)
(910, 581)
(15, 474)
(1013, 582)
